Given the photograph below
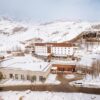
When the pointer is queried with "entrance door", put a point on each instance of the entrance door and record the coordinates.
(49, 49)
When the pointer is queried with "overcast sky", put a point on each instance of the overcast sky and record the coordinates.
(48, 10)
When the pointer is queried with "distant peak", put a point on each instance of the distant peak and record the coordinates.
(6, 18)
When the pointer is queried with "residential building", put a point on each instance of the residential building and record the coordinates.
(55, 49)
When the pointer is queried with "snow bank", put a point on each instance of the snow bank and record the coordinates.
(69, 76)
(29, 95)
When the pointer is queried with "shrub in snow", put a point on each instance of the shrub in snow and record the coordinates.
(1, 75)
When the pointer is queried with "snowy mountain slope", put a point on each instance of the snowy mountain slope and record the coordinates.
(12, 32)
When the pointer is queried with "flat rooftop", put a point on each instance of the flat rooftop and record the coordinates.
(64, 62)
(25, 63)
(68, 44)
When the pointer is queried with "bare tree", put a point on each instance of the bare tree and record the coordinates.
(1, 75)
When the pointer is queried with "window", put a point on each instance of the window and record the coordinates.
(42, 79)
(33, 78)
(11, 75)
(16, 76)
(22, 77)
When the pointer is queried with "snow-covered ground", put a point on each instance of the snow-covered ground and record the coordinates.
(29, 95)
(52, 79)
(69, 76)
(88, 81)
(12, 33)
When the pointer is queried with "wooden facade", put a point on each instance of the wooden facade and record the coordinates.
(64, 68)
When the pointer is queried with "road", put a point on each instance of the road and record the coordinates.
(63, 87)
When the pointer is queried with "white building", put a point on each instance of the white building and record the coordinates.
(25, 68)
(56, 49)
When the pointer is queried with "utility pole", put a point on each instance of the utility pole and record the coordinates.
(38, 32)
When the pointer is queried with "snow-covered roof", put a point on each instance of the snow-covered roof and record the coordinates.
(64, 62)
(25, 63)
(42, 66)
(88, 59)
(67, 44)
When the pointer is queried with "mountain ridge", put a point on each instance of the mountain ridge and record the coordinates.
(13, 32)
